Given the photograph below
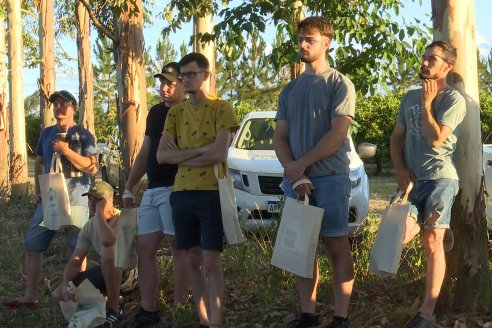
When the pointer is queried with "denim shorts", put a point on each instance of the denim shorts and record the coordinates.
(197, 219)
(38, 238)
(430, 196)
(155, 212)
(332, 193)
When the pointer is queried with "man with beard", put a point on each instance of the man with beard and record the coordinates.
(311, 142)
(422, 146)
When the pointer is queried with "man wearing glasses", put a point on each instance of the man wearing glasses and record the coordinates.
(422, 146)
(78, 166)
(100, 233)
(196, 136)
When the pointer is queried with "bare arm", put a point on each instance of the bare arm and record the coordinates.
(403, 175)
(38, 170)
(138, 170)
(168, 152)
(216, 151)
(87, 164)
(104, 212)
(331, 141)
(72, 269)
(435, 133)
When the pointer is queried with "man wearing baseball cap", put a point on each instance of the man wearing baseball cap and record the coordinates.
(100, 233)
(77, 167)
(155, 219)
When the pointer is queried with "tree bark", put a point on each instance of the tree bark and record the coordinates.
(47, 67)
(19, 178)
(202, 25)
(132, 92)
(4, 117)
(468, 283)
(86, 88)
(298, 15)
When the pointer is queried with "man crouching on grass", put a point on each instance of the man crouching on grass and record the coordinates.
(100, 232)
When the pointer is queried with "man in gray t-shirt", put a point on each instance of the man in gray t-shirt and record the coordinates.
(422, 146)
(311, 142)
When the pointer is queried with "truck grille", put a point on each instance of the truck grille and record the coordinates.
(270, 185)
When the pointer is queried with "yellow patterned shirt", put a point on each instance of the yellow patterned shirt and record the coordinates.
(195, 126)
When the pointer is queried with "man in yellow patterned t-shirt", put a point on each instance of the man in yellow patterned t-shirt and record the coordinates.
(196, 135)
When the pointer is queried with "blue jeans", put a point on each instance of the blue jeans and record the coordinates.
(38, 238)
(332, 193)
(197, 219)
(155, 212)
(433, 196)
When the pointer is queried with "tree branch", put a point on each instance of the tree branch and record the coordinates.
(98, 24)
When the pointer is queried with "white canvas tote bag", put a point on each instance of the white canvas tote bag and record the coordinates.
(228, 206)
(386, 251)
(54, 197)
(297, 237)
(126, 232)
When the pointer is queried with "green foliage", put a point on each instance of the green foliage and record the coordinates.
(242, 109)
(374, 49)
(376, 118)
(486, 114)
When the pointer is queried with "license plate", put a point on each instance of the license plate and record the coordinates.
(273, 207)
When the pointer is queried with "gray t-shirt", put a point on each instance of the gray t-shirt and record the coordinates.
(308, 104)
(425, 162)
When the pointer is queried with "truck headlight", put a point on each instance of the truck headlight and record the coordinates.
(237, 179)
(356, 177)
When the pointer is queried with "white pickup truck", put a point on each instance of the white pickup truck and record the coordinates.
(257, 174)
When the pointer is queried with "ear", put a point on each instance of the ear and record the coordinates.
(327, 43)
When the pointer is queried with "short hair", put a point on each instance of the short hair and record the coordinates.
(320, 24)
(197, 57)
(450, 51)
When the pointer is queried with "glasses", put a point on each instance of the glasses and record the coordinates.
(189, 75)
(433, 58)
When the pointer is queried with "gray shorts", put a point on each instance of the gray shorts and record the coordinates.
(155, 212)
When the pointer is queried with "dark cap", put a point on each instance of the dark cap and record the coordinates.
(169, 72)
(99, 190)
(65, 95)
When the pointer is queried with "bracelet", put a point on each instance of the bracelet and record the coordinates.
(128, 194)
(300, 182)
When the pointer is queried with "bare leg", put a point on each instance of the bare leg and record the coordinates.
(148, 271)
(343, 272)
(306, 288)
(181, 272)
(436, 269)
(212, 265)
(412, 228)
(112, 278)
(33, 263)
(198, 283)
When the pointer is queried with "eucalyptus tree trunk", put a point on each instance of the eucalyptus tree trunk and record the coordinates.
(4, 117)
(132, 92)
(298, 15)
(18, 176)
(47, 67)
(202, 25)
(468, 282)
(86, 87)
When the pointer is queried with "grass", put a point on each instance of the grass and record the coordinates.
(256, 293)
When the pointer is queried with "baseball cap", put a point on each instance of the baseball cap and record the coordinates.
(100, 189)
(169, 72)
(64, 94)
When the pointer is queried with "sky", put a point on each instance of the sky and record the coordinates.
(67, 78)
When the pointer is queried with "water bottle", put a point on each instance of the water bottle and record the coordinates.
(76, 146)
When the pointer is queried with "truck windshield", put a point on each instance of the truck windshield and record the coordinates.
(257, 134)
